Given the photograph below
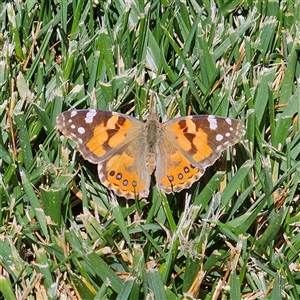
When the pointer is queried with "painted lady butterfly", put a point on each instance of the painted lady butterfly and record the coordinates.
(127, 151)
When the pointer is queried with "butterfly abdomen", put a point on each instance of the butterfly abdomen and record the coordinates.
(151, 132)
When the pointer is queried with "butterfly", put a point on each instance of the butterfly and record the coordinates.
(127, 151)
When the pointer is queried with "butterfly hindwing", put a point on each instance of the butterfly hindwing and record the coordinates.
(125, 172)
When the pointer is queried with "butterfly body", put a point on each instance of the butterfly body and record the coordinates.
(128, 151)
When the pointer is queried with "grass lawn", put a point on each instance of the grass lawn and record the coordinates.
(234, 234)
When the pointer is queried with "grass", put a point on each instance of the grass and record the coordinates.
(234, 234)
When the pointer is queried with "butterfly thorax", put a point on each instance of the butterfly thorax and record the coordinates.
(152, 132)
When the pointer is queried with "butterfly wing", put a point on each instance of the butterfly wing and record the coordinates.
(113, 141)
(189, 145)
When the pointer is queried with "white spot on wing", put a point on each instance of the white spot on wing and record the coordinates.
(228, 120)
(213, 123)
(219, 137)
(73, 113)
(81, 130)
(89, 118)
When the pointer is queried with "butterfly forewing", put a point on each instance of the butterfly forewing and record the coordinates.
(97, 133)
(202, 138)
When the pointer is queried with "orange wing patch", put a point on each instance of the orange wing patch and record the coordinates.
(180, 174)
(120, 173)
(108, 135)
(192, 140)
(100, 137)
